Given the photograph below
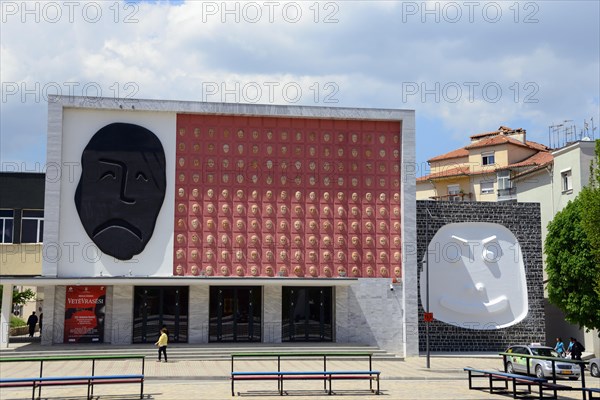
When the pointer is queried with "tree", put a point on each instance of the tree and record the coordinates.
(572, 250)
(19, 298)
(590, 196)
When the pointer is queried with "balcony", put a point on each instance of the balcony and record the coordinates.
(453, 197)
(509, 194)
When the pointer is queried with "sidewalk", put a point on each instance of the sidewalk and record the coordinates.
(209, 379)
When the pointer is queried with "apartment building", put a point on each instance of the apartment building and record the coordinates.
(484, 169)
(21, 230)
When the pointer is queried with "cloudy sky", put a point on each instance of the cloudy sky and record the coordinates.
(465, 67)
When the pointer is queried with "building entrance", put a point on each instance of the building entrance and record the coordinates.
(235, 314)
(158, 306)
(307, 314)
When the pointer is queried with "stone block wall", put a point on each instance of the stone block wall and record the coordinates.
(369, 313)
(523, 220)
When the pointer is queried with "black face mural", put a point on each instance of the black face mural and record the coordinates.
(122, 188)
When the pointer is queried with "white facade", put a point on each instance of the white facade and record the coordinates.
(553, 187)
(366, 310)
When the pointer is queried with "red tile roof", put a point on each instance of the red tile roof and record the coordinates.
(447, 173)
(484, 134)
(504, 135)
(501, 139)
(537, 146)
(462, 152)
(539, 159)
(536, 161)
(500, 130)
(491, 141)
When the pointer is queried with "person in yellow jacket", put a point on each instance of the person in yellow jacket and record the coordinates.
(163, 340)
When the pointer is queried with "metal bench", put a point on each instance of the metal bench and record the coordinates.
(590, 391)
(325, 376)
(95, 360)
(90, 381)
(317, 355)
(517, 380)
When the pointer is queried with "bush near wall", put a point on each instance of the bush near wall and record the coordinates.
(16, 322)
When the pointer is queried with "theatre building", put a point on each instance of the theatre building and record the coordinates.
(228, 223)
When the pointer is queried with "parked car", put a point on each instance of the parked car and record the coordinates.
(595, 367)
(541, 368)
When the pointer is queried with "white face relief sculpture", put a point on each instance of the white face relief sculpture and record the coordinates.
(485, 265)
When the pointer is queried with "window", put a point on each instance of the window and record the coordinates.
(567, 183)
(454, 193)
(32, 226)
(504, 180)
(487, 159)
(487, 187)
(6, 226)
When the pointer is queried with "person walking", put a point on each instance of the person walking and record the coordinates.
(576, 349)
(31, 323)
(162, 343)
(569, 348)
(560, 347)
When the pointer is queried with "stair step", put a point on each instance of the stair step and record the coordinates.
(191, 352)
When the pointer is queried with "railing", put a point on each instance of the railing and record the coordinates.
(507, 194)
(453, 197)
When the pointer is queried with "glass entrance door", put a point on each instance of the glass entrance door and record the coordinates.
(235, 314)
(155, 307)
(307, 314)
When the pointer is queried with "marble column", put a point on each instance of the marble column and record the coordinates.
(272, 314)
(198, 314)
(58, 317)
(121, 324)
(5, 314)
(49, 315)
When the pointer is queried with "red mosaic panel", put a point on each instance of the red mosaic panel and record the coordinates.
(260, 196)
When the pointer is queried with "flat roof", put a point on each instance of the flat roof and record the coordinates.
(174, 281)
(198, 107)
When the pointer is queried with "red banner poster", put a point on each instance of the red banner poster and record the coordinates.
(84, 314)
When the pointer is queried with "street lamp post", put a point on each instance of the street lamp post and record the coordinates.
(427, 285)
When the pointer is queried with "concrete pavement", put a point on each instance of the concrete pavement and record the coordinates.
(209, 379)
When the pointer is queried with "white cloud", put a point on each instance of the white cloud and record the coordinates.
(362, 54)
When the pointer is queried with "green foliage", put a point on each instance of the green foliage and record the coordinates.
(23, 297)
(573, 272)
(590, 197)
(16, 322)
(595, 168)
(19, 298)
(590, 218)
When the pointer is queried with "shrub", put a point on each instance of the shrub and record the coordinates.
(16, 322)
